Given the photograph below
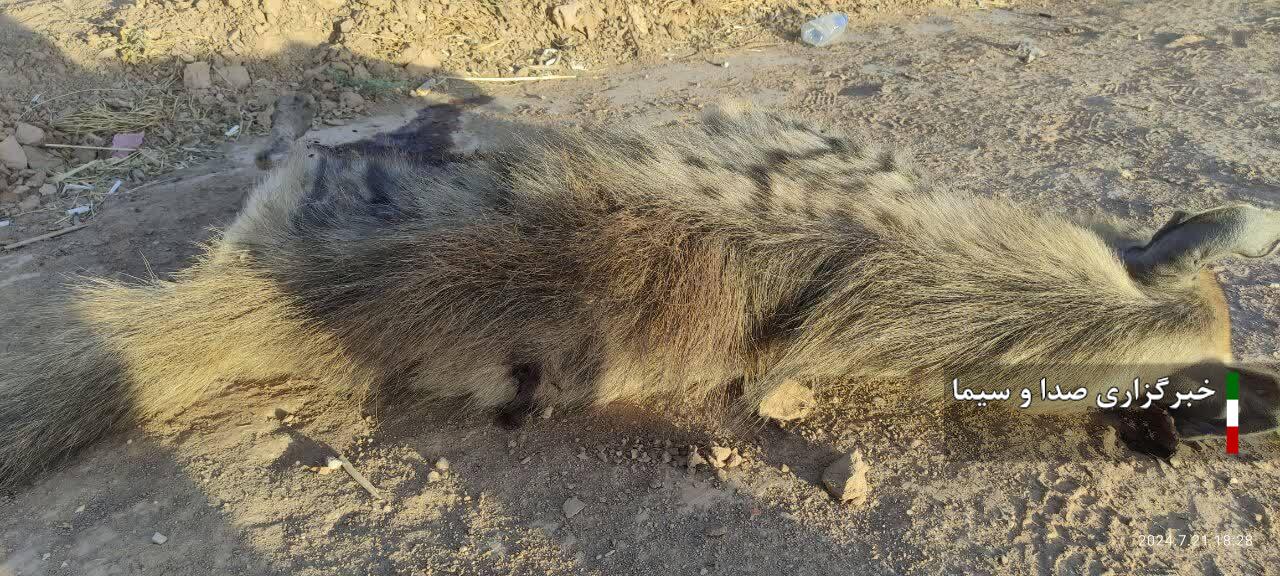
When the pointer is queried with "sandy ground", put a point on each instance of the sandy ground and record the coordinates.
(1136, 109)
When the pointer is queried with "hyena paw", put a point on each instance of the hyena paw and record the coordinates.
(1150, 431)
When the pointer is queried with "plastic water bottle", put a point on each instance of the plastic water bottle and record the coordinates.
(822, 30)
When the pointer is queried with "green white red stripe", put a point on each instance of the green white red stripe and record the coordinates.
(1233, 412)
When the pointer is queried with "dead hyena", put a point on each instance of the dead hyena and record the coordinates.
(564, 267)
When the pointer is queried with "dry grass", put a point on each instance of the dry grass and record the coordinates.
(105, 118)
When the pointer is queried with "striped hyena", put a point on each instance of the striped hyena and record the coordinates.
(580, 267)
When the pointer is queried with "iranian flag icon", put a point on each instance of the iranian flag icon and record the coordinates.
(1233, 412)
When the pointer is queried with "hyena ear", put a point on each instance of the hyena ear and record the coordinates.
(1184, 245)
(1259, 403)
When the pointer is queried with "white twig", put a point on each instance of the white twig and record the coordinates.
(516, 79)
(89, 147)
(359, 478)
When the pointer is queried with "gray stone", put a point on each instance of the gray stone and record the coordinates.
(572, 507)
(846, 479)
(28, 134)
(236, 77)
(12, 155)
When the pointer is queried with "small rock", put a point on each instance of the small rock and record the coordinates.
(12, 155)
(418, 59)
(442, 465)
(349, 99)
(433, 476)
(159, 538)
(578, 16)
(28, 134)
(733, 461)
(79, 508)
(29, 203)
(236, 77)
(38, 159)
(346, 26)
(846, 479)
(1185, 40)
(638, 20)
(719, 454)
(696, 459)
(717, 532)
(790, 401)
(572, 507)
(195, 76)
(1028, 52)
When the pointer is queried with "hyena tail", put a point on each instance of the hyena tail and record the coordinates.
(133, 354)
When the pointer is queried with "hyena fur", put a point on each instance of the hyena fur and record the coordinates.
(563, 267)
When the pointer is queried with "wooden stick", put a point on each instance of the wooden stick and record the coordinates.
(89, 147)
(34, 239)
(518, 79)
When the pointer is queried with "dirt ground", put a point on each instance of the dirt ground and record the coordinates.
(1135, 109)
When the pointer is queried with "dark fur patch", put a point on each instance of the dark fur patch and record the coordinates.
(378, 182)
(695, 162)
(762, 176)
(888, 162)
(710, 192)
(790, 313)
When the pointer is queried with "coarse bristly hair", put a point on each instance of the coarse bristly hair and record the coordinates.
(740, 252)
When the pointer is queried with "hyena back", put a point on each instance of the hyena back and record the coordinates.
(574, 268)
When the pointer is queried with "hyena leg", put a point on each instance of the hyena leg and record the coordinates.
(528, 376)
(1150, 431)
(289, 122)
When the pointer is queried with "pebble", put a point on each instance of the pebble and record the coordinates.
(1028, 52)
(719, 454)
(433, 476)
(717, 532)
(572, 507)
(846, 479)
(442, 465)
(159, 538)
